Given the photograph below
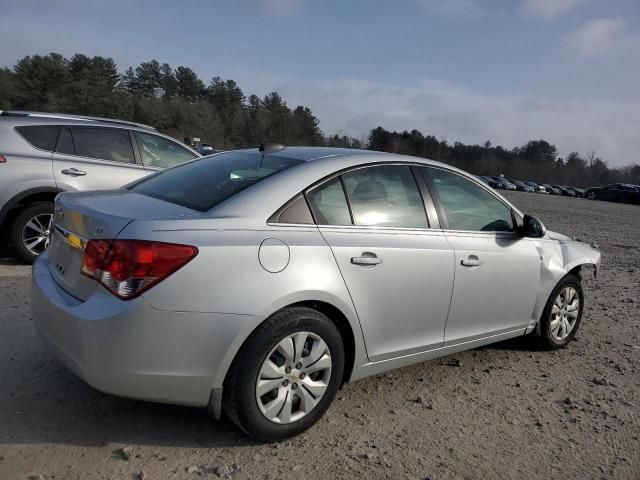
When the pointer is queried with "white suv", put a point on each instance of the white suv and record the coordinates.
(43, 154)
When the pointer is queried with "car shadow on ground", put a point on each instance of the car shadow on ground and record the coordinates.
(68, 411)
(525, 343)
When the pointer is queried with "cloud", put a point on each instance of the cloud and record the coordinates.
(456, 113)
(280, 8)
(603, 36)
(551, 8)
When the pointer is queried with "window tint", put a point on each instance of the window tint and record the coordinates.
(40, 136)
(468, 206)
(104, 143)
(65, 142)
(385, 196)
(204, 183)
(160, 152)
(329, 204)
(297, 212)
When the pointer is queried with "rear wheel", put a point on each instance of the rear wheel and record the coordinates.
(562, 314)
(31, 229)
(286, 375)
(592, 196)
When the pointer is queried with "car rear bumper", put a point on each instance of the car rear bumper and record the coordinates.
(129, 348)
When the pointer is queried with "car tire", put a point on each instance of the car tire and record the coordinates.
(34, 222)
(592, 196)
(562, 314)
(291, 389)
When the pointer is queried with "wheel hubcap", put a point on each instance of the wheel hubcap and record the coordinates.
(294, 377)
(36, 233)
(564, 313)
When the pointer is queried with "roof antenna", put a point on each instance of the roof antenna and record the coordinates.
(243, 108)
(263, 148)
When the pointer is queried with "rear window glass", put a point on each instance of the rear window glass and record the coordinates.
(40, 136)
(207, 182)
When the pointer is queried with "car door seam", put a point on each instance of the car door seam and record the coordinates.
(337, 264)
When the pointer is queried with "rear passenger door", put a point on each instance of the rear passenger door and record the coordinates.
(95, 158)
(398, 270)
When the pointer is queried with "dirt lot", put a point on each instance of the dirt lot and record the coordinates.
(505, 411)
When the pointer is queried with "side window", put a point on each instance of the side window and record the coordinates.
(329, 204)
(468, 206)
(385, 196)
(160, 152)
(103, 143)
(40, 136)
(65, 142)
(297, 212)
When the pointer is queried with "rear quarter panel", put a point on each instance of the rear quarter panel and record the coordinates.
(26, 167)
(228, 276)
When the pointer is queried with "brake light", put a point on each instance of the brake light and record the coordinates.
(2, 159)
(129, 267)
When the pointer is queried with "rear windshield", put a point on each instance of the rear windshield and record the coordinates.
(207, 182)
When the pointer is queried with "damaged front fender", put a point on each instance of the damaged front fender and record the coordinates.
(559, 256)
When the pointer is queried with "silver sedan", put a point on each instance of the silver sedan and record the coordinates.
(259, 281)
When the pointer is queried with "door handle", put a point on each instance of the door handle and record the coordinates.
(367, 259)
(472, 261)
(74, 172)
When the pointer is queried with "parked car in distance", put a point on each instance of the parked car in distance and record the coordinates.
(257, 281)
(504, 184)
(578, 191)
(43, 154)
(564, 191)
(538, 188)
(551, 190)
(522, 187)
(205, 149)
(617, 192)
(489, 181)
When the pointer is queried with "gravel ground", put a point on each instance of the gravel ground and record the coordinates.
(504, 411)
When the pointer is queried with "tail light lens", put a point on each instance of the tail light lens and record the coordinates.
(129, 267)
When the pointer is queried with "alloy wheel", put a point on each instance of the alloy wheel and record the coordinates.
(564, 313)
(37, 232)
(293, 377)
(592, 196)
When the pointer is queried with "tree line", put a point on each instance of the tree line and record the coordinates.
(177, 102)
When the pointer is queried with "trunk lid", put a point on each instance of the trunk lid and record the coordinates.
(80, 217)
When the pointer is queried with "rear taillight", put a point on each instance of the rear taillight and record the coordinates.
(129, 267)
(2, 159)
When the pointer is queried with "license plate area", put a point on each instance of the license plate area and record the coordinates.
(66, 252)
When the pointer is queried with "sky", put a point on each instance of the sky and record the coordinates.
(507, 71)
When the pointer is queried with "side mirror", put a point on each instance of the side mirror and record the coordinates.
(532, 227)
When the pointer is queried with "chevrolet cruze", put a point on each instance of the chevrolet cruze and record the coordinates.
(257, 282)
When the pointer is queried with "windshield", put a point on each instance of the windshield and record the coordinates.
(207, 182)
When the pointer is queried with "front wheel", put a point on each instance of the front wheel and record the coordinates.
(286, 375)
(562, 314)
(31, 230)
(592, 196)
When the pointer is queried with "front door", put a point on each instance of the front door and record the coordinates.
(399, 272)
(95, 158)
(497, 272)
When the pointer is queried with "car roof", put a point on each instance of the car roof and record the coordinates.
(28, 117)
(307, 154)
(317, 164)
